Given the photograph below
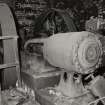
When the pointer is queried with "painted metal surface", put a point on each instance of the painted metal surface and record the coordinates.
(75, 51)
(9, 75)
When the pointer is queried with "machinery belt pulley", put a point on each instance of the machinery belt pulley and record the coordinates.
(76, 51)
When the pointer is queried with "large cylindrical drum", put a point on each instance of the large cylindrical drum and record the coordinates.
(76, 51)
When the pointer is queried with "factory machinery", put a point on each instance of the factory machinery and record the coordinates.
(79, 57)
(76, 74)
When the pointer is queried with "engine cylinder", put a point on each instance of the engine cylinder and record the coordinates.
(75, 51)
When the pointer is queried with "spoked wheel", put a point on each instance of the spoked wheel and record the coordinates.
(8, 74)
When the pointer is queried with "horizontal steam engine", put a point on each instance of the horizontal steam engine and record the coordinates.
(79, 56)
